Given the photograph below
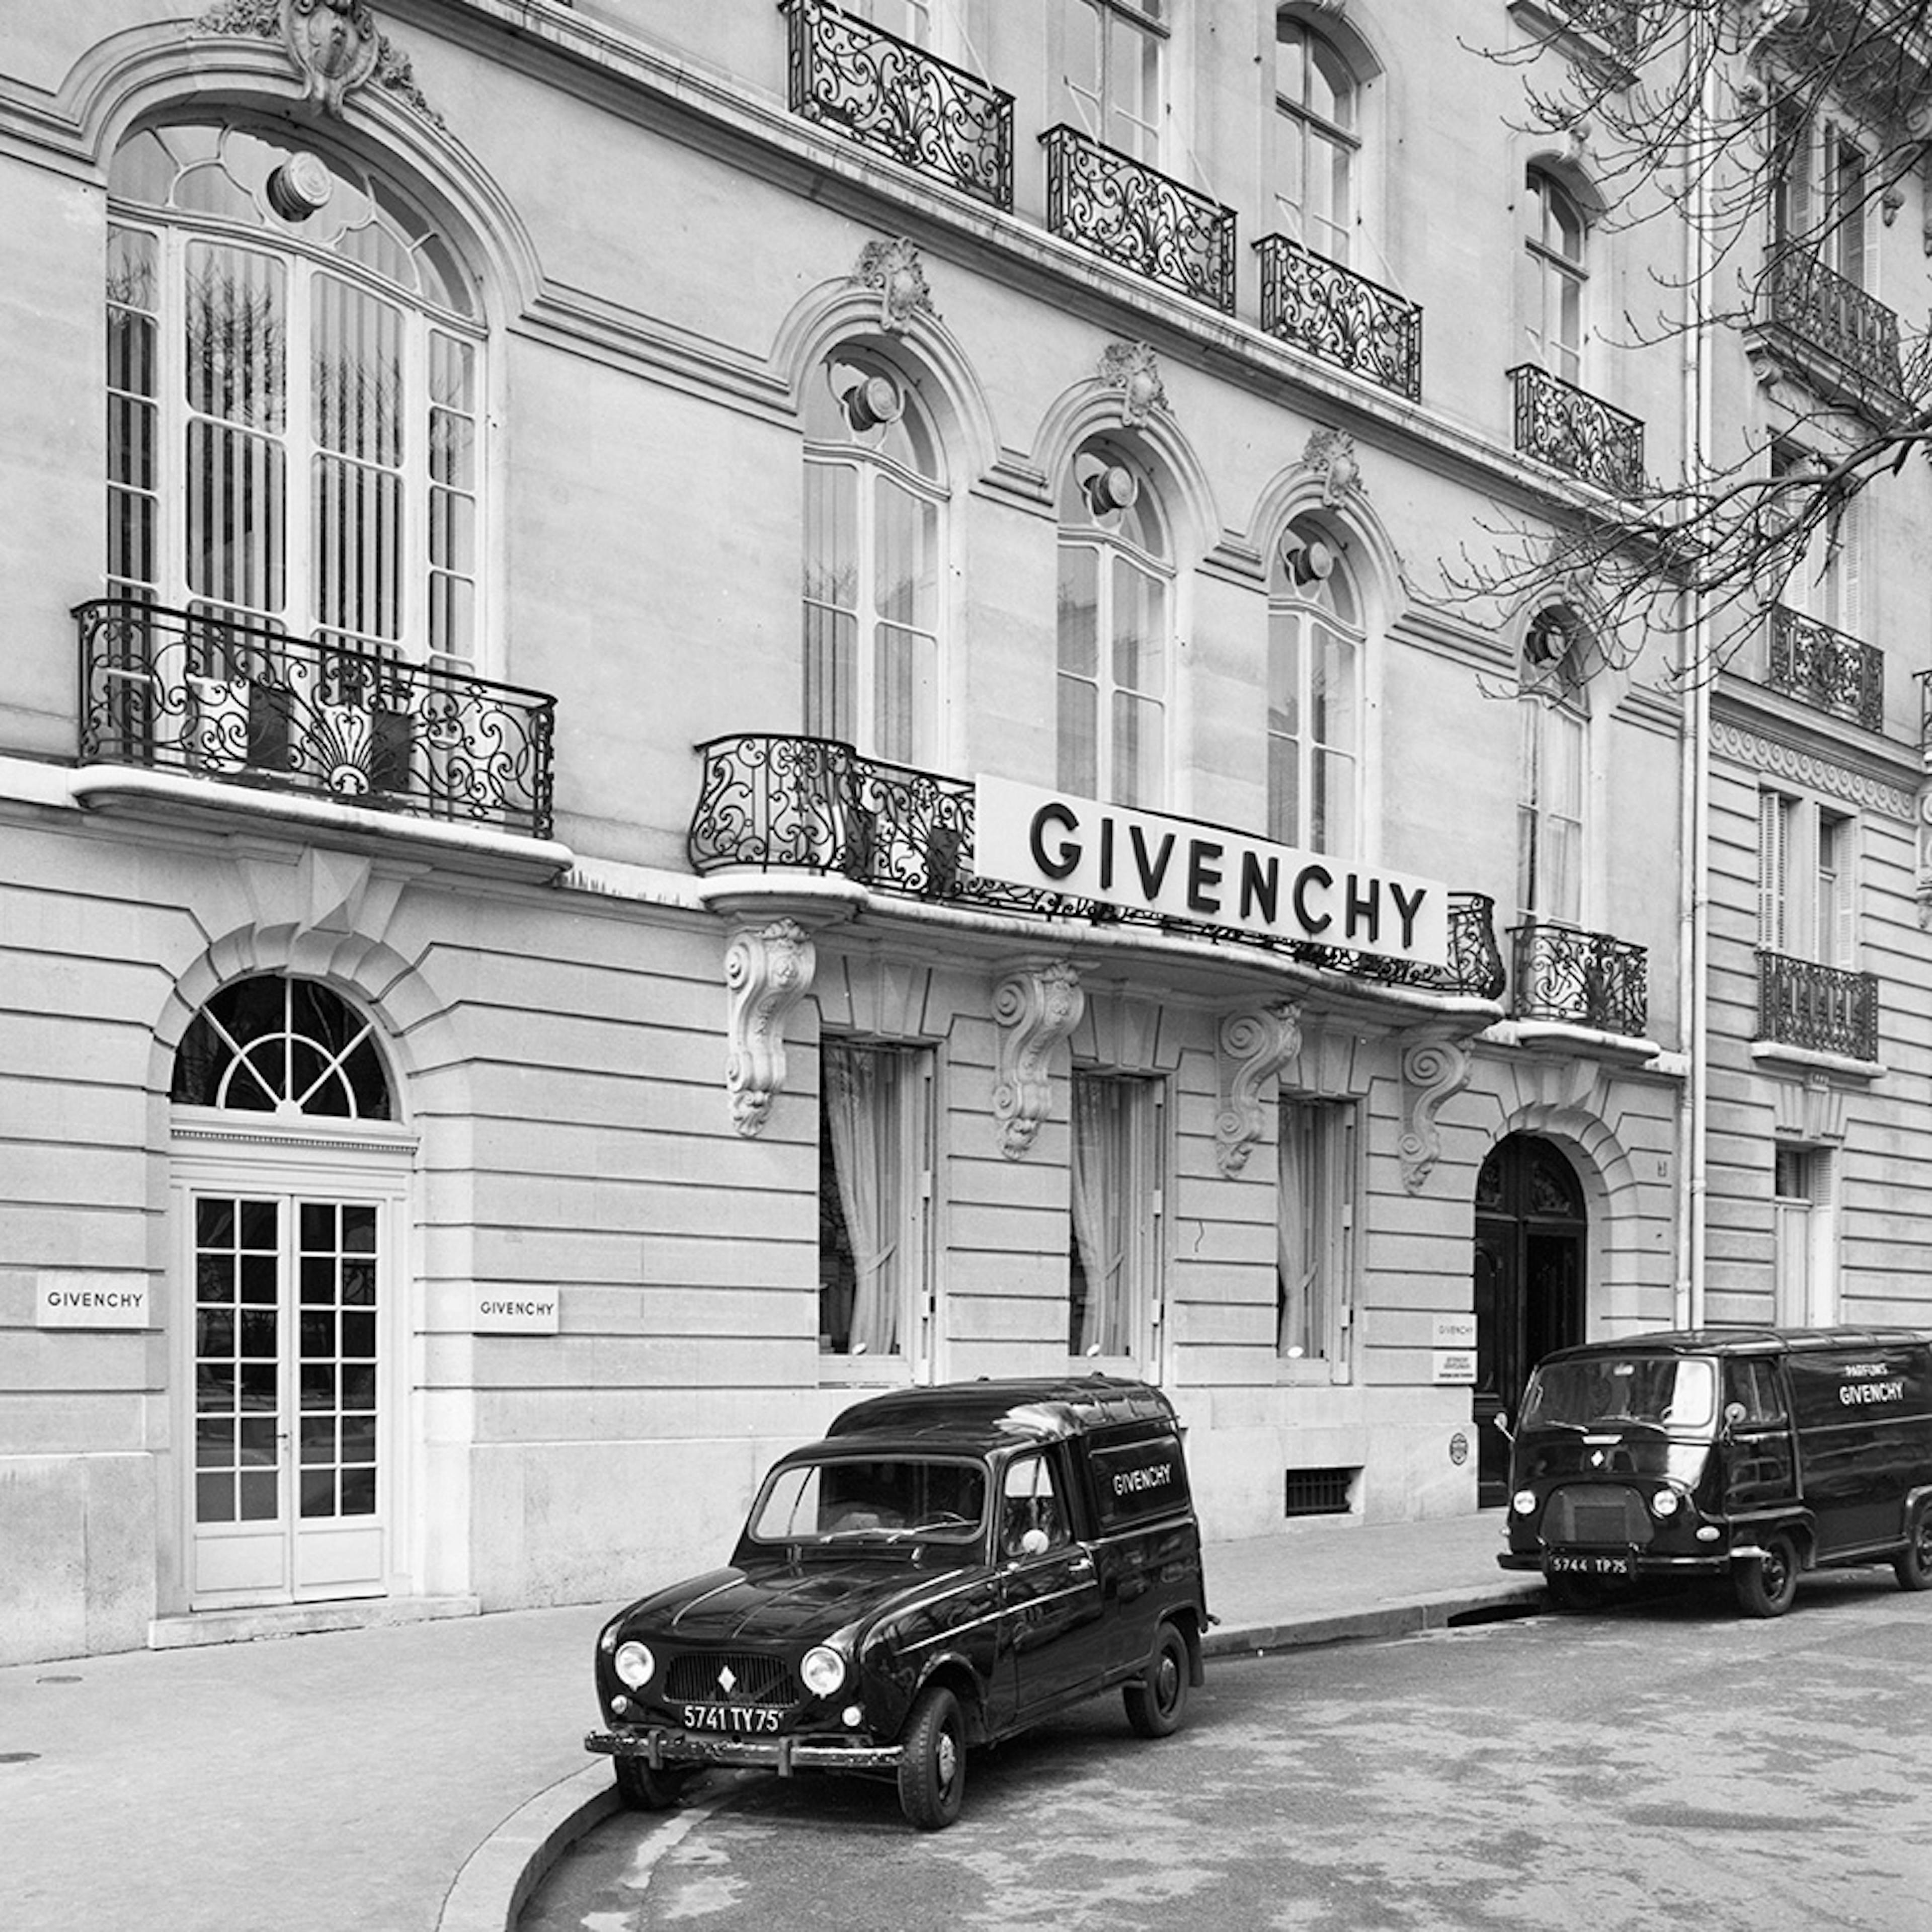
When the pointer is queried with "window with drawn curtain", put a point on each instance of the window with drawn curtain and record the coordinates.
(1552, 768)
(1111, 52)
(1314, 694)
(294, 395)
(875, 496)
(1318, 143)
(1554, 316)
(1315, 1230)
(1115, 1255)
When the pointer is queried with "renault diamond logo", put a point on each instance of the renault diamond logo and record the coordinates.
(728, 1680)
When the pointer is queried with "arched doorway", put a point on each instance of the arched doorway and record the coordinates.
(1531, 1226)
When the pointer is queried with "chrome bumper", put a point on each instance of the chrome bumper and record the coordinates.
(660, 1746)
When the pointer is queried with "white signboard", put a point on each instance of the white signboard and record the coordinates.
(513, 1311)
(64, 1301)
(1146, 862)
(1454, 1331)
(1455, 1365)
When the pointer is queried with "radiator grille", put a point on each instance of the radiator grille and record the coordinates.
(1318, 1492)
(1599, 1513)
(732, 1677)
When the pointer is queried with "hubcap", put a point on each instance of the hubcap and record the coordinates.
(1167, 1683)
(945, 1756)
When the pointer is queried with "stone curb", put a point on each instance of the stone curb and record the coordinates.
(498, 1878)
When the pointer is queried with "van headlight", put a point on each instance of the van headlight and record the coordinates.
(824, 1670)
(1666, 1502)
(1524, 1502)
(634, 1664)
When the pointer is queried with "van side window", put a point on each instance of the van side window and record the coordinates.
(1752, 1382)
(1029, 1500)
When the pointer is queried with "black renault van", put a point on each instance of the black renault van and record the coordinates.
(947, 1567)
(1755, 1454)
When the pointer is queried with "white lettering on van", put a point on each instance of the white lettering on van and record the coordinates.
(1131, 1479)
(1854, 1394)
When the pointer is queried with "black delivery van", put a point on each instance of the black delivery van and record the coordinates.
(1753, 1453)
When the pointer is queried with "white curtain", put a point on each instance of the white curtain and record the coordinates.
(1101, 1203)
(860, 1091)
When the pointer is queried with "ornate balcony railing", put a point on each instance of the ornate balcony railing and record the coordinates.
(1924, 678)
(1820, 311)
(812, 804)
(888, 94)
(1341, 316)
(1570, 429)
(1584, 979)
(1119, 208)
(1828, 670)
(238, 702)
(1822, 1009)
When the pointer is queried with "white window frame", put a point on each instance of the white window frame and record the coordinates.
(1804, 1227)
(1302, 611)
(1318, 1170)
(1088, 90)
(1809, 872)
(1554, 345)
(1125, 1334)
(1298, 129)
(1544, 715)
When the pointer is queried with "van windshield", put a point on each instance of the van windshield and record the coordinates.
(889, 1498)
(1676, 1393)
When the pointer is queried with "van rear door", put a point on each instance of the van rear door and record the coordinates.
(1864, 1415)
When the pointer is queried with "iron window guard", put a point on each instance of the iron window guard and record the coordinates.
(1571, 430)
(1830, 671)
(1341, 316)
(1818, 310)
(1582, 979)
(1819, 1009)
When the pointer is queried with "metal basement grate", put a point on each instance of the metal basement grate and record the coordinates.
(1318, 1492)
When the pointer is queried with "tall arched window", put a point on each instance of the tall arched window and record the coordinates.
(1318, 139)
(1314, 694)
(294, 388)
(874, 500)
(1113, 626)
(1558, 244)
(1554, 760)
(1111, 54)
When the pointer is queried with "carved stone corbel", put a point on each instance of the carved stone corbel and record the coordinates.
(894, 269)
(1923, 814)
(1432, 1070)
(768, 969)
(1134, 369)
(1251, 1050)
(1036, 1006)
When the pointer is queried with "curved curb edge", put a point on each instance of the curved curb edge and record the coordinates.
(498, 1877)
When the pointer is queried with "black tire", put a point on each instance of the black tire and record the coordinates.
(1156, 1700)
(644, 1789)
(1912, 1565)
(932, 1767)
(1572, 1596)
(1766, 1585)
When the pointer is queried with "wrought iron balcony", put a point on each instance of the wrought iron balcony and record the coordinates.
(888, 94)
(1118, 207)
(1341, 316)
(1843, 339)
(1581, 978)
(1828, 670)
(1570, 429)
(205, 694)
(1821, 1009)
(812, 804)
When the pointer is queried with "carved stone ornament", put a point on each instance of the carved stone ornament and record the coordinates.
(1036, 1006)
(893, 268)
(1133, 368)
(1330, 454)
(768, 969)
(1433, 1070)
(335, 45)
(1251, 1049)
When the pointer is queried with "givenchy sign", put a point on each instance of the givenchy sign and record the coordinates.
(1177, 869)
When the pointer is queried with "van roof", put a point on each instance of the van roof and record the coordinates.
(1743, 1342)
(1036, 1408)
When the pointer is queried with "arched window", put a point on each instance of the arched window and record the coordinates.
(1111, 54)
(1558, 242)
(1553, 764)
(1318, 139)
(1314, 694)
(874, 500)
(294, 387)
(277, 1045)
(1113, 628)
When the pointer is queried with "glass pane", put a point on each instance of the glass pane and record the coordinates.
(1137, 751)
(902, 692)
(358, 1491)
(318, 1492)
(1285, 791)
(357, 533)
(358, 1333)
(356, 373)
(215, 1388)
(258, 1387)
(1140, 647)
(236, 367)
(258, 1333)
(237, 543)
(215, 1278)
(832, 534)
(318, 1225)
(214, 1443)
(318, 1385)
(318, 1335)
(1079, 610)
(1077, 765)
(358, 1230)
(258, 1280)
(214, 1499)
(359, 1438)
(359, 1283)
(258, 1495)
(359, 1385)
(214, 1332)
(906, 591)
(318, 1439)
(258, 1440)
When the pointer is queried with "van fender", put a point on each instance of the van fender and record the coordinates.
(1183, 1618)
(1800, 1525)
(954, 1670)
(1916, 1499)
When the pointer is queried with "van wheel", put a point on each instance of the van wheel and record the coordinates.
(1913, 1566)
(932, 1768)
(644, 1789)
(1766, 1584)
(1157, 1701)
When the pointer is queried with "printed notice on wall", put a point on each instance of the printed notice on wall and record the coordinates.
(513, 1311)
(1455, 1365)
(73, 1300)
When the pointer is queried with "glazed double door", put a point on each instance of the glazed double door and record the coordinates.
(288, 1489)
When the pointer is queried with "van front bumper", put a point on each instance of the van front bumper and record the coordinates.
(659, 1745)
(1641, 1563)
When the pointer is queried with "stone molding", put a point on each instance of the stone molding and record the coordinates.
(1035, 1006)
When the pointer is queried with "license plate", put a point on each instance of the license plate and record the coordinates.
(1587, 1563)
(752, 1718)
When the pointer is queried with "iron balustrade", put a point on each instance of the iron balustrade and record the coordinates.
(1341, 316)
(210, 695)
(1571, 430)
(1823, 312)
(1114, 205)
(786, 803)
(1828, 670)
(1580, 978)
(1924, 678)
(888, 94)
(1821, 1008)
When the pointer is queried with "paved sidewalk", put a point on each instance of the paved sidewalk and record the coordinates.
(417, 1778)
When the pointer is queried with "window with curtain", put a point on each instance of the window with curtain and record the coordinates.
(1314, 694)
(1552, 768)
(1828, 581)
(1807, 880)
(1111, 52)
(1558, 245)
(1114, 1275)
(1822, 198)
(873, 1153)
(1315, 1227)
(294, 393)
(1318, 143)
(874, 503)
(1112, 627)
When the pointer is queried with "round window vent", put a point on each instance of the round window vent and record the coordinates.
(299, 187)
(875, 401)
